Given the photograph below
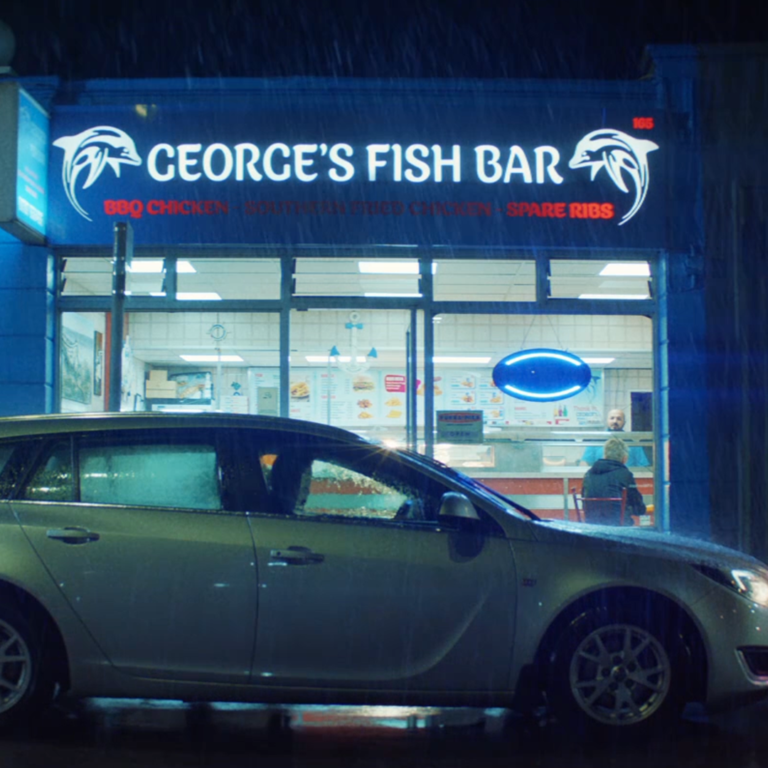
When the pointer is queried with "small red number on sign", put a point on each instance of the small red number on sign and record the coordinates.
(642, 123)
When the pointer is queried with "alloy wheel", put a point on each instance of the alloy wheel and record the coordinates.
(15, 667)
(620, 674)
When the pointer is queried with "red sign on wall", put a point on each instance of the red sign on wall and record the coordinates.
(394, 383)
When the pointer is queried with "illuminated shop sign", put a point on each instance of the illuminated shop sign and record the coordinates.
(428, 181)
(23, 164)
(542, 375)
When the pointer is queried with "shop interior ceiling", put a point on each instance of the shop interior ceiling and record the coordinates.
(454, 280)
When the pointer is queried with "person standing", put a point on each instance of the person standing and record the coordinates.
(607, 479)
(615, 423)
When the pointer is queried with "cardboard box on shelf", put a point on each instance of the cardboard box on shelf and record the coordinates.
(161, 394)
(160, 389)
(158, 376)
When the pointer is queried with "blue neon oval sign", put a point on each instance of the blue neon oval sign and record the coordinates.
(540, 375)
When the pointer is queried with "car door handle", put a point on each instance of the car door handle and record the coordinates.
(294, 556)
(72, 535)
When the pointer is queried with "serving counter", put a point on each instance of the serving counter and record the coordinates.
(551, 495)
(542, 469)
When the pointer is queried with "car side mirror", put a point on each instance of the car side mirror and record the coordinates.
(457, 506)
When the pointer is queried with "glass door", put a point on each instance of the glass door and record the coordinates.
(358, 369)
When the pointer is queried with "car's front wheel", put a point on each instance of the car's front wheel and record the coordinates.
(615, 672)
(25, 682)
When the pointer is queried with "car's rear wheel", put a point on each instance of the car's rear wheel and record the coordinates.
(615, 672)
(26, 684)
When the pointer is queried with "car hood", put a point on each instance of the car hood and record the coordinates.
(641, 541)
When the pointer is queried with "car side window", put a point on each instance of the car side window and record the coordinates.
(337, 490)
(348, 483)
(14, 462)
(147, 473)
(150, 475)
(54, 479)
(5, 454)
(6, 483)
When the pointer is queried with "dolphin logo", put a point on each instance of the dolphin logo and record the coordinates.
(94, 149)
(618, 153)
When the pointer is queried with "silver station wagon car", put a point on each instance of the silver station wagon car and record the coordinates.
(214, 557)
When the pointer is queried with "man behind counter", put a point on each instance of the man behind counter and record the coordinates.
(616, 421)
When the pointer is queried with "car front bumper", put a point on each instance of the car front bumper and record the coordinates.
(736, 637)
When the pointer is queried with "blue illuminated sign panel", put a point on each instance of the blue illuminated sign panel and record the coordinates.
(32, 164)
(541, 375)
(24, 126)
(389, 170)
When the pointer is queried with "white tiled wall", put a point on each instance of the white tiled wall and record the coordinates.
(505, 333)
(500, 333)
(496, 335)
(620, 383)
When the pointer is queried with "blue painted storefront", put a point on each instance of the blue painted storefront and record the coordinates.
(438, 165)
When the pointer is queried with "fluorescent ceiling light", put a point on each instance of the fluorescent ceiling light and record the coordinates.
(636, 269)
(146, 266)
(598, 360)
(326, 358)
(212, 358)
(198, 296)
(155, 266)
(193, 296)
(391, 267)
(618, 296)
(393, 295)
(468, 360)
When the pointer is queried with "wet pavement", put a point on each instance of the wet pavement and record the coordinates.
(110, 733)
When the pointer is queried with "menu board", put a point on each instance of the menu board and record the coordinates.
(584, 409)
(474, 390)
(370, 398)
(377, 398)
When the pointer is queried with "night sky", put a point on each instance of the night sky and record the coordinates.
(75, 39)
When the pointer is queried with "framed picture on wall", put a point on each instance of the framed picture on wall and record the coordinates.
(98, 362)
(77, 360)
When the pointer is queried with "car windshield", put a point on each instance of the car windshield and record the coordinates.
(475, 486)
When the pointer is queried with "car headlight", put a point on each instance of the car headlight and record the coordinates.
(750, 584)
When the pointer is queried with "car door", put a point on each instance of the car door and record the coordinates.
(133, 528)
(362, 587)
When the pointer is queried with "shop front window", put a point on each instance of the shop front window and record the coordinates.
(198, 277)
(228, 278)
(600, 280)
(86, 276)
(366, 276)
(484, 280)
(363, 368)
(173, 361)
(537, 452)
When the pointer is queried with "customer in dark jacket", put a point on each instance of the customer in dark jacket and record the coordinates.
(606, 479)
